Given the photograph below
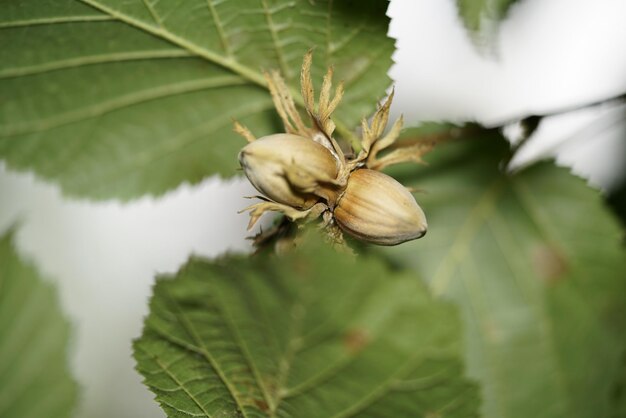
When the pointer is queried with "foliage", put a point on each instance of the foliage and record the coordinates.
(313, 333)
(34, 380)
(125, 98)
(535, 264)
(137, 97)
(477, 14)
(618, 392)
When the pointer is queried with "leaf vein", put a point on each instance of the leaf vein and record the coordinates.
(227, 62)
(153, 13)
(244, 350)
(90, 60)
(180, 313)
(460, 245)
(378, 393)
(194, 134)
(54, 20)
(118, 103)
(220, 29)
(285, 69)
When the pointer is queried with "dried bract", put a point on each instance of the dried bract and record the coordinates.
(304, 173)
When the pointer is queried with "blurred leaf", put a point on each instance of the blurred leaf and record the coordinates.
(535, 264)
(476, 13)
(617, 200)
(312, 334)
(34, 376)
(432, 131)
(618, 405)
(119, 98)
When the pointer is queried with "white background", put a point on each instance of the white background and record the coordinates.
(103, 256)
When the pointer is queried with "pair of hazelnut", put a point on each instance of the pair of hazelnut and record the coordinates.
(304, 174)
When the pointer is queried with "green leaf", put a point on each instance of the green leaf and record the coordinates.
(475, 13)
(120, 98)
(616, 199)
(34, 376)
(314, 333)
(618, 392)
(535, 264)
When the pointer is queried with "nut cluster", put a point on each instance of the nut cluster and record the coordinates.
(304, 174)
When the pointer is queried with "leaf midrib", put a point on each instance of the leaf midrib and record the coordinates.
(460, 244)
(528, 204)
(245, 350)
(484, 206)
(190, 328)
(229, 63)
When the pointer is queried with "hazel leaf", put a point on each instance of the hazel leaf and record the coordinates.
(34, 334)
(481, 17)
(618, 392)
(535, 263)
(119, 98)
(314, 333)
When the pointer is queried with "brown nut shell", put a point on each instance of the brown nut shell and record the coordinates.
(378, 209)
(288, 169)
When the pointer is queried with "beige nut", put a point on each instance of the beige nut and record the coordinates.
(378, 209)
(289, 169)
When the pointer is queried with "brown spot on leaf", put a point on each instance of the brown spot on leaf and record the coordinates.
(548, 263)
(301, 267)
(493, 333)
(262, 405)
(355, 340)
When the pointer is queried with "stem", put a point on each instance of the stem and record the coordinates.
(438, 137)
(531, 123)
(620, 98)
